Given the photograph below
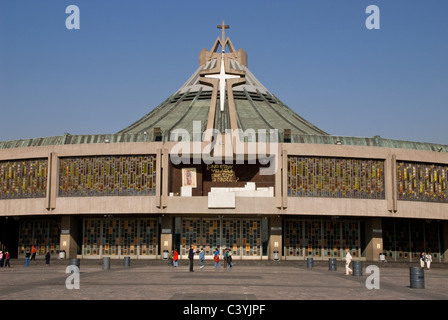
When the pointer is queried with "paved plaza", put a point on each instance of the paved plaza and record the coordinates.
(273, 287)
(156, 280)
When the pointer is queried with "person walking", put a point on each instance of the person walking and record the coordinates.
(348, 260)
(27, 258)
(175, 258)
(191, 256)
(33, 257)
(1, 259)
(7, 256)
(216, 258)
(226, 257)
(422, 260)
(47, 259)
(428, 259)
(201, 258)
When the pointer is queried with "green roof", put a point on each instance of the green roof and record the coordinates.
(376, 141)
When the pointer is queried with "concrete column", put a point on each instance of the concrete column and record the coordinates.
(275, 237)
(444, 235)
(52, 181)
(374, 239)
(390, 171)
(68, 241)
(166, 238)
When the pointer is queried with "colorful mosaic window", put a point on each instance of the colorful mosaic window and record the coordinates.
(120, 236)
(148, 236)
(251, 241)
(42, 234)
(335, 177)
(313, 238)
(107, 176)
(351, 237)
(422, 182)
(110, 238)
(243, 236)
(231, 230)
(23, 179)
(293, 240)
(320, 238)
(191, 230)
(331, 241)
(210, 235)
(92, 237)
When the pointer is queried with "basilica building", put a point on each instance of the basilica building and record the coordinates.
(223, 163)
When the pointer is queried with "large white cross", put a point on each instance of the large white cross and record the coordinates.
(222, 77)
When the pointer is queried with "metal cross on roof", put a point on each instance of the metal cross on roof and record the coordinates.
(223, 27)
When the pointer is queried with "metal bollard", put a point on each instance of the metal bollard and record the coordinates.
(127, 261)
(332, 266)
(106, 263)
(417, 277)
(309, 262)
(357, 268)
(75, 262)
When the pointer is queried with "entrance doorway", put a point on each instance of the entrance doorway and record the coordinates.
(120, 237)
(404, 240)
(247, 238)
(9, 240)
(321, 239)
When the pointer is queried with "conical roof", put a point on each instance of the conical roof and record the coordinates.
(247, 103)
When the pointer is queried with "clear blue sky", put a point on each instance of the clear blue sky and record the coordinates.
(316, 56)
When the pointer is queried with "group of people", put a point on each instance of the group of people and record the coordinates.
(4, 259)
(31, 256)
(227, 257)
(425, 258)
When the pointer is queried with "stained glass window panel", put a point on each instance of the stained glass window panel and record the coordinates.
(422, 182)
(133, 175)
(335, 177)
(23, 179)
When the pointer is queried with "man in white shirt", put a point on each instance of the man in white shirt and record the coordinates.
(348, 260)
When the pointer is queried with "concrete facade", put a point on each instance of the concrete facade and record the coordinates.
(274, 208)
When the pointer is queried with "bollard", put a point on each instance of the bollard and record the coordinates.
(127, 261)
(106, 263)
(309, 262)
(332, 266)
(417, 277)
(357, 268)
(75, 262)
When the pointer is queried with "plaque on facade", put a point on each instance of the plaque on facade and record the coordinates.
(222, 173)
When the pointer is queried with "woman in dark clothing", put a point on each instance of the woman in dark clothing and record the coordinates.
(47, 259)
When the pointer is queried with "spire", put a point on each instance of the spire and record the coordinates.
(223, 26)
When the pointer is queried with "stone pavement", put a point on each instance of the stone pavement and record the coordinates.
(246, 281)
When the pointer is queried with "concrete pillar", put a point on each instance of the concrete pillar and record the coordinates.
(69, 231)
(444, 244)
(275, 237)
(166, 238)
(374, 239)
